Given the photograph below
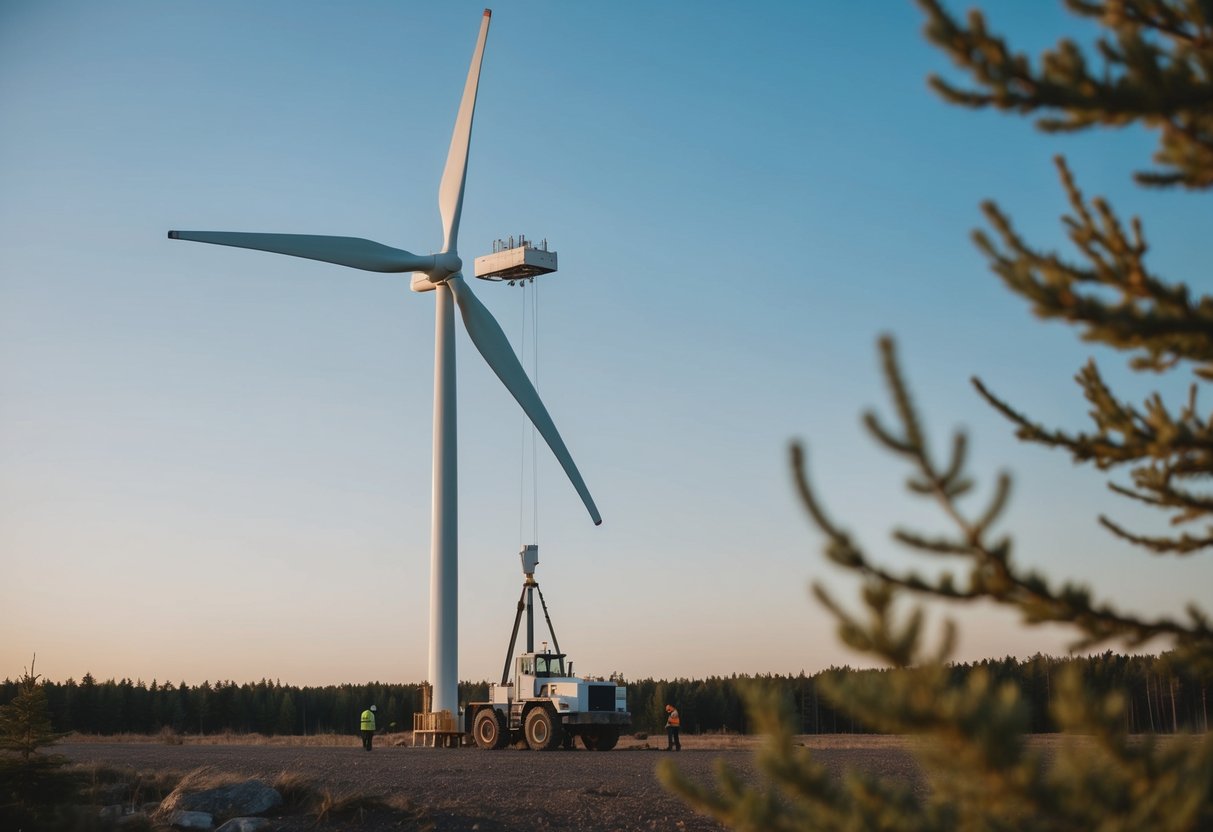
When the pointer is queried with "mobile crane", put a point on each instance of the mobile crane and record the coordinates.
(544, 703)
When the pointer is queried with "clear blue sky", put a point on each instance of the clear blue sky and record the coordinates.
(215, 464)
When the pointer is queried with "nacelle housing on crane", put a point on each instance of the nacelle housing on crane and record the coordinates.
(513, 261)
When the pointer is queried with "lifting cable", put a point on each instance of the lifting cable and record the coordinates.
(530, 311)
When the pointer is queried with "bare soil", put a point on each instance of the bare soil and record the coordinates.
(464, 789)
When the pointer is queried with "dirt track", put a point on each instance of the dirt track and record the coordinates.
(465, 789)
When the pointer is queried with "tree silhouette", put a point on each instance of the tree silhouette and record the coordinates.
(34, 787)
(25, 722)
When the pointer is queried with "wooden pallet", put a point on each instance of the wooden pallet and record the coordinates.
(436, 729)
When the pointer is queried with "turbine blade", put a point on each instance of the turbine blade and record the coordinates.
(344, 251)
(486, 334)
(450, 192)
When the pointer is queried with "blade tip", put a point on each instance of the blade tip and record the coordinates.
(488, 12)
(174, 235)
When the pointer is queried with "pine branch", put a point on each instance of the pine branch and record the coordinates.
(1157, 72)
(991, 575)
(1158, 16)
(1166, 448)
(1159, 321)
(1184, 545)
(796, 792)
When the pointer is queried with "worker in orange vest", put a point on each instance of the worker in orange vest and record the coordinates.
(672, 724)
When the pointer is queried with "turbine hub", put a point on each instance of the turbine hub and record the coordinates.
(445, 264)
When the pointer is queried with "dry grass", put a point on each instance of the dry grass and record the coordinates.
(208, 777)
(169, 737)
(356, 805)
(1048, 743)
(298, 792)
(713, 742)
(743, 742)
(140, 786)
(197, 780)
(634, 742)
(301, 795)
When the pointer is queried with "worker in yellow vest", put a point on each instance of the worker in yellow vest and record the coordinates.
(672, 724)
(368, 727)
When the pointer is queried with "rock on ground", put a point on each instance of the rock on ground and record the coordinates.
(251, 797)
(190, 820)
(244, 825)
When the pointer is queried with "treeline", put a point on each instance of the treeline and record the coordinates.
(1161, 698)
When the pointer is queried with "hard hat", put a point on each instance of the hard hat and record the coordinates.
(373, 707)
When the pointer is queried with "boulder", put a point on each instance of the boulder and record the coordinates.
(110, 793)
(190, 820)
(111, 813)
(251, 797)
(244, 825)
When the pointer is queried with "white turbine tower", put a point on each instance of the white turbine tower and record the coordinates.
(441, 274)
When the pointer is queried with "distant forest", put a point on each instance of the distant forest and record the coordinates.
(1161, 698)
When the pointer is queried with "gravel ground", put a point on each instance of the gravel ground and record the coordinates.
(463, 789)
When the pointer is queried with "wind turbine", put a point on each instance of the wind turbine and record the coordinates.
(441, 274)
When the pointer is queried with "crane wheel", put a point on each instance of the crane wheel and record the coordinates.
(543, 732)
(600, 738)
(489, 729)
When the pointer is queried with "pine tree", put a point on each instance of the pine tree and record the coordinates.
(287, 717)
(25, 722)
(35, 789)
(1156, 70)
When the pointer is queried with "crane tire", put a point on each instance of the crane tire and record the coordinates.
(489, 729)
(543, 731)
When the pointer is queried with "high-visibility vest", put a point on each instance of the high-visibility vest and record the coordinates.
(368, 720)
(672, 721)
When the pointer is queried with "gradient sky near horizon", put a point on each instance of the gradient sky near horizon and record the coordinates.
(215, 463)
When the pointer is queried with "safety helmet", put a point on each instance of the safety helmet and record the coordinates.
(373, 708)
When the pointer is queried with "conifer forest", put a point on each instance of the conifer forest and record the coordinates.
(1162, 697)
